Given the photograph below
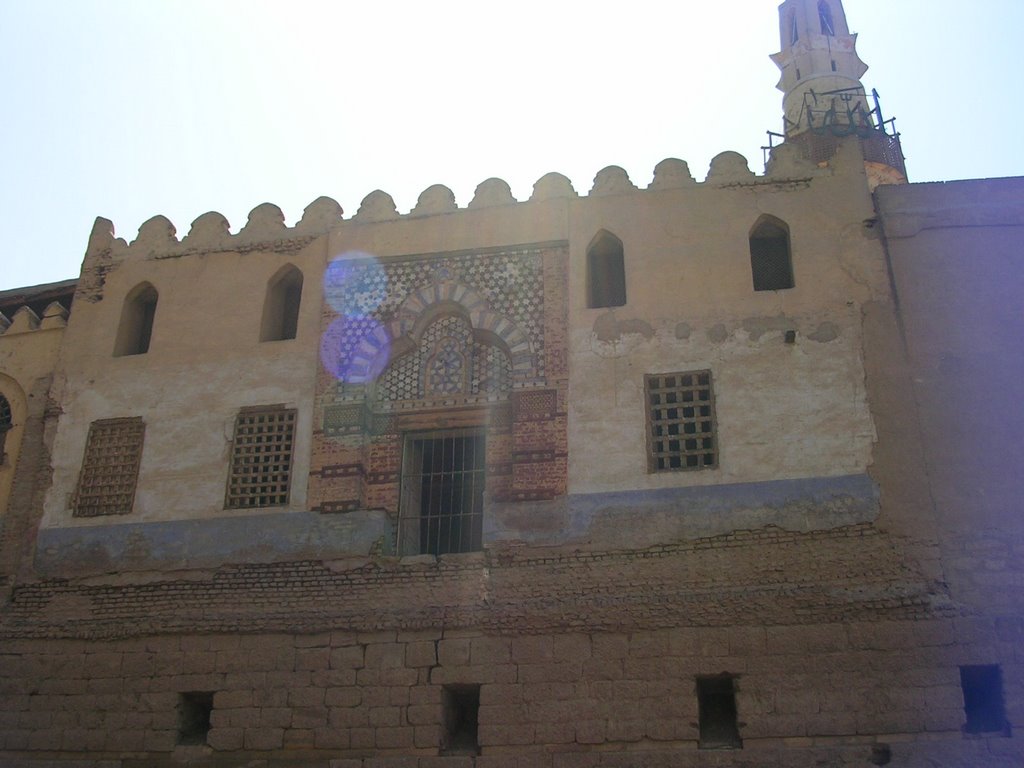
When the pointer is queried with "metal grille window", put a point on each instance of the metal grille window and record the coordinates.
(261, 458)
(771, 264)
(442, 493)
(680, 421)
(110, 468)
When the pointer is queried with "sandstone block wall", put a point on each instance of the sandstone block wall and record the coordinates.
(572, 698)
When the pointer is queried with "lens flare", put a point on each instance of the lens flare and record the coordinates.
(355, 345)
(355, 284)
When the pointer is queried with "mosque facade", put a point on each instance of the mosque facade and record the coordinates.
(712, 472)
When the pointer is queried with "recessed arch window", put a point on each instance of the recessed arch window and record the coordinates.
(771, 264)
(606, 271)
(136, 326)
(281, 305)
(6, 423)
(828, 26)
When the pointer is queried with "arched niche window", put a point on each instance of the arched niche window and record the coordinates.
(281, 306)
(770, 261)
(828, 26)
(606, 271)
(136, 327)
(6, 422)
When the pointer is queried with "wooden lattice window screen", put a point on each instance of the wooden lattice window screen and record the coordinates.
(110, 468)
(681, 431)
(261, 458)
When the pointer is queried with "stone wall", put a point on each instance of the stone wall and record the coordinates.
(835, 695)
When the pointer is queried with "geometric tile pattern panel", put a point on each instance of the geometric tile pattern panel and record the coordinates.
(368, 293)
(448, 361)
(110, 468)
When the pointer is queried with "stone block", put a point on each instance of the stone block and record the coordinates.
(490, 650)
(309, 717)
(319, 640)
(349, 696)
(385, 655)
(349, 717)
(401, 676)
(574, 647)
(232, 699)
(423, 714)
(421, 654)
(394, 738)
(261, 739)
(385, 717)
(332, 738)
(555, 733)
(426, 736)
(565, 672)
(312, 658)
(306, 697)
(505, 735)
(531, 650)
(277, 717)
(625, 730)
(347, 657)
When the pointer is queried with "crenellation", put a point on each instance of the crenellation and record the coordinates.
(157, 234)
(672, 173)
(210, 231)
(376, 206)
(612, 180)
(265, 224)
(552, 186)
(492, 192)
(24, 320)
(435, 199)
(729, 168)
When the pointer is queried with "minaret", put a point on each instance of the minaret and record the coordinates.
(824, 99)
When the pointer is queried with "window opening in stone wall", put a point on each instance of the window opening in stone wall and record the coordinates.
(461, 707)
(984, 705)
(606, 272)
(771, 263)
(441, 507)
(680, 421)
(828, 27)
(110, 468)
(794, 34)
(194, 709)
(6, 424)
(136, 326)
(261, 458)
(281, 306)
(716, 704)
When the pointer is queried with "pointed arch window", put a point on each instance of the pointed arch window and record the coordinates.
(771, 263)
(6, 423)
(794, 33)
(606, 271)
(828, 26)
(136, 326)
(281, 305)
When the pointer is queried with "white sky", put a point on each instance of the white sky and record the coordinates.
(131, 108)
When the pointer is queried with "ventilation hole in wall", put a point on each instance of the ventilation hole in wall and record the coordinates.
(461, 706)
(194, 710)
(982, 687)
(716, 703)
